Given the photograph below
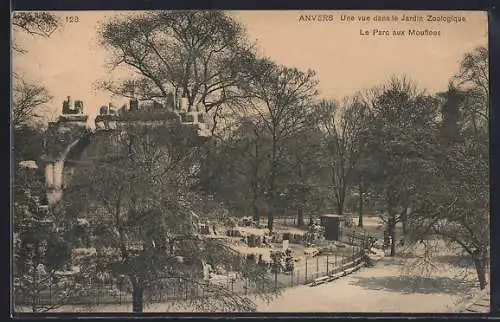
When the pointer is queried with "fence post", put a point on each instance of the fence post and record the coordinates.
(306, 271)
(335, 263)
(298, 279)
(291, 279)
(98, 293)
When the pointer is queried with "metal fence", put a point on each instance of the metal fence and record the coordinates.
(305, 271)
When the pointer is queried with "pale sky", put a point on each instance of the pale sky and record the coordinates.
(70, 61)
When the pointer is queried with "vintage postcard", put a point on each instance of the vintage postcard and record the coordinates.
(250, 161)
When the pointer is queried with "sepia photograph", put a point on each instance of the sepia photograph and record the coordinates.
(250, 161)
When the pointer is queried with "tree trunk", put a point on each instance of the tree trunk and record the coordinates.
(404, 222)
(340, 210)
(137, 297)
(360, 218)
(272, 183)
(480, 264)
(391, 222)
(392, 233)
(256, 216)
(270, 214)
(300, 216)
(270, 219)
(255, 185)
(35, 296)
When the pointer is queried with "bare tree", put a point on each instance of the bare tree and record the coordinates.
(457, 208)
(301, 174)
(39, 250)
(42, 281)
(402, 132)
(282, 97)
(473, 82)
(138, 200)
(237, 167)
(192, 54)
(26, 100)
(344, 127)
(41, 24)
(474, 70)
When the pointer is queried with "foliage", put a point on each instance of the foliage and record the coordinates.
(456, 204)
(28, 143)
(234, 169)
(401, 129)
(194, 54)
(40, 250)
(26, 99)
(282, 99)
(141, 205)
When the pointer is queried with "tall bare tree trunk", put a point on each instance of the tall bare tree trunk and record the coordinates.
(480, 264)
(391, 223)
(340, 210)
(255, 185)
(360, 218)
(300, 216)
(256, 216)
(392, 233)
(271, 193)
(404, 221)
(137, 295)
(270, 215)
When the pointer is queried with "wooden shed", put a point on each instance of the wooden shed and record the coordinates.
(332, 224)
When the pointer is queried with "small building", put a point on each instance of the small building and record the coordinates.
(332, 225)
